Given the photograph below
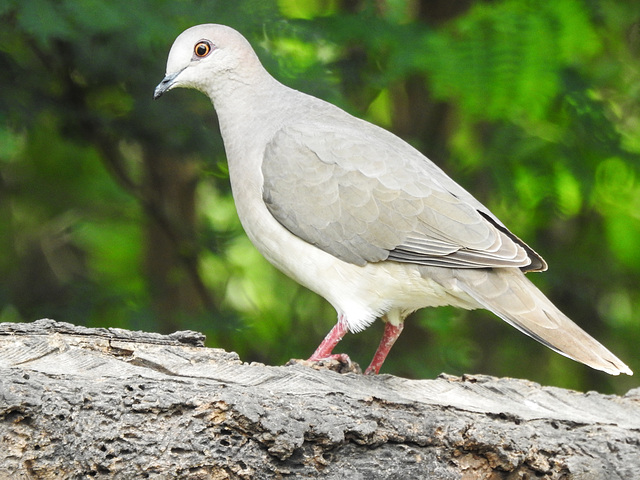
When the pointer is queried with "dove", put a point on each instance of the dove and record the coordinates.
(356, 214)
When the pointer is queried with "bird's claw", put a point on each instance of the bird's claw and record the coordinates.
(337, 362)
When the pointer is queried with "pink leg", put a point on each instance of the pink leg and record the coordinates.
(323, 352)
(389, 337)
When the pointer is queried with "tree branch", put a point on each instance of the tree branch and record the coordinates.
(110, 403)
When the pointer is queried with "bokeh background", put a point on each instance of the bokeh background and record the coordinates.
(115, 210)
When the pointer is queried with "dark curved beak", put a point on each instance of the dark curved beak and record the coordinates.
(166, 84)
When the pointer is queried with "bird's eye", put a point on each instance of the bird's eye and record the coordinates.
(202, 49)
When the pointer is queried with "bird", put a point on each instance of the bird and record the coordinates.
(356, 214)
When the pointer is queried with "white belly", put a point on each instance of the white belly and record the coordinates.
(360, 294)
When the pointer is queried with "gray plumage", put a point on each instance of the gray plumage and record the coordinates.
(356, 214)
(364, 195)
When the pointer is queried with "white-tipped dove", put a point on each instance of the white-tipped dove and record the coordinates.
(356, 214)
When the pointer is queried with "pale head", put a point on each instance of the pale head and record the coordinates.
(207, 54)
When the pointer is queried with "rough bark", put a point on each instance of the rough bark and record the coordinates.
(108, 403)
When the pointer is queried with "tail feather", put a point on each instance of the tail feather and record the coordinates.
(510, 295)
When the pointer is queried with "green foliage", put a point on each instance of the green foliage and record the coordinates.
(503, 61)
(115, 210)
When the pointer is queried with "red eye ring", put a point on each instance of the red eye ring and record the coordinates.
(202, 49)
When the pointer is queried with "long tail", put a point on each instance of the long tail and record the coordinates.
(510, 295)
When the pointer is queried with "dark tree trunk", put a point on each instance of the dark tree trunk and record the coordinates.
(171, 254)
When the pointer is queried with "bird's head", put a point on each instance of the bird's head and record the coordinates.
(201, 54)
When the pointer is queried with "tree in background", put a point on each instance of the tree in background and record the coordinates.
(116, 211)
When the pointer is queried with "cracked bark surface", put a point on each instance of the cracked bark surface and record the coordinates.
(108, 403)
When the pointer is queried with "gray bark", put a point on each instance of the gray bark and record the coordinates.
(108, 403)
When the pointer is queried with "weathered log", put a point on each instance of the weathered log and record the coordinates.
(109, 403)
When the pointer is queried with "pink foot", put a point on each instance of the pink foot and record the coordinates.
(389, 337)
(324, 357)
(325, 349)
(340, 357)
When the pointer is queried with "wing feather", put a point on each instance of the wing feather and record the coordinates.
(364, 195)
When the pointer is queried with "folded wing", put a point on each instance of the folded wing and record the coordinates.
(366, 196)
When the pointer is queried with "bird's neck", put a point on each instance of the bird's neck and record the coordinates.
(248, 113)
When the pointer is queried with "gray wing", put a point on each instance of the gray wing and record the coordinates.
(363, 195)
